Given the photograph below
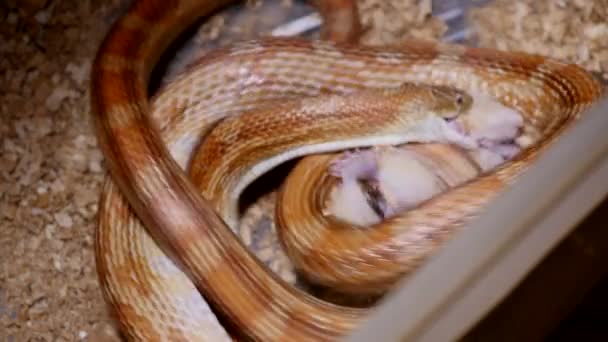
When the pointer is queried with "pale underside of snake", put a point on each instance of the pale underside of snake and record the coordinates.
(147, 147)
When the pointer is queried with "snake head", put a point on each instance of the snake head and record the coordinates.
(451, 102)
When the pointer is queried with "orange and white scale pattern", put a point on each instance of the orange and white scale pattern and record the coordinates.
(153, 293)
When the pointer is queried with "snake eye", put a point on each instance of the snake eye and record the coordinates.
(459, 99)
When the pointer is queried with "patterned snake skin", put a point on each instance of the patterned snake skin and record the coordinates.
(163, 251)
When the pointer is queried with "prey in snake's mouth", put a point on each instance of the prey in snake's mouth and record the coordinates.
(380, 182)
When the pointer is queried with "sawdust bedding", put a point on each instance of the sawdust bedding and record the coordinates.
(51, 169)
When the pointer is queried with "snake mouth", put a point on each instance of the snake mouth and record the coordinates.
(452, 116)
(455, 124)
(489, 143)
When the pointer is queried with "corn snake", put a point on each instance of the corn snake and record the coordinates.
(153, 299)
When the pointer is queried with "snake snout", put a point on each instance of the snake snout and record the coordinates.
(456, 125)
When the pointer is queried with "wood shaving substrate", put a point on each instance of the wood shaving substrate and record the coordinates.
(571, 30)
(51, 169)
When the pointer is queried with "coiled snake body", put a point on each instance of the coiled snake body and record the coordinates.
(147, 147)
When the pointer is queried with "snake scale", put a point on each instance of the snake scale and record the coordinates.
(161, 247)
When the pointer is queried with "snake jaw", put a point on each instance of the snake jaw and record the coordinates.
(455, 134)
(456, 125)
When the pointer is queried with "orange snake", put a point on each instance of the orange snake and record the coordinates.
(146, 152)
